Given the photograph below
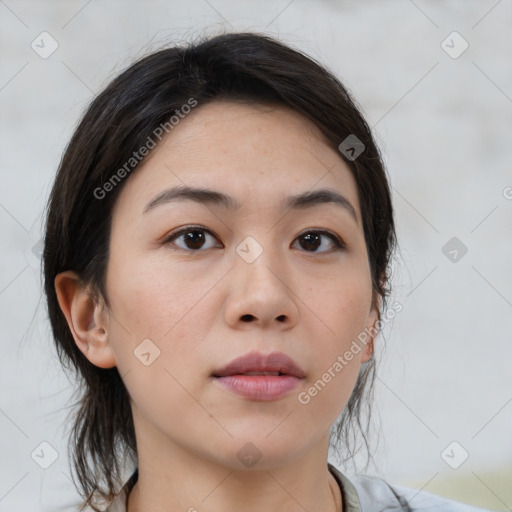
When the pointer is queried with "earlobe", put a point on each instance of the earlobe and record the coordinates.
(372, 330)
(368, 350)
(86, 319)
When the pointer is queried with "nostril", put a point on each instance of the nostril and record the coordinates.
(250, 318)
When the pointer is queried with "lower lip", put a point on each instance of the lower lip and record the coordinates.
(259, 387)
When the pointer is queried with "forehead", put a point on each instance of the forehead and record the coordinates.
(256, 153)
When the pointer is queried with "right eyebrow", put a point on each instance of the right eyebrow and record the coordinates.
(200, 195)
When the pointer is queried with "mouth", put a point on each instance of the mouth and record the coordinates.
(260, 376)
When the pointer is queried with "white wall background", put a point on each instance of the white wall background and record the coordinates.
(445, 127)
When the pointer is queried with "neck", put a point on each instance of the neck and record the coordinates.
(186, 482)
(233, 491)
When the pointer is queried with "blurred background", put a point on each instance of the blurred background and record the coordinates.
(434, 80)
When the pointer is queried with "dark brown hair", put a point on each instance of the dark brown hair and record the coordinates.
(120, 120)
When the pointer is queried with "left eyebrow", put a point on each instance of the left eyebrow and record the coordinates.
(214, 197)
(317, 197)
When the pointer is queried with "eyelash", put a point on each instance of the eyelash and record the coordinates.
(338, 242)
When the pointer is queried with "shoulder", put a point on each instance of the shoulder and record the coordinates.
(373, 489)
(377, 495)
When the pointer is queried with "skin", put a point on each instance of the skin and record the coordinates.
(309, 303)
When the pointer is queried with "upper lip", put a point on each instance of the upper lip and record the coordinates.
(258, 362)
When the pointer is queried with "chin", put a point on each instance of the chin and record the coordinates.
(259, 453)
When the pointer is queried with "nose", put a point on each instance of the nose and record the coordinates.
(260, 294)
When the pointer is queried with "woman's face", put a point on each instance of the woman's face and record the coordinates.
(194, 283)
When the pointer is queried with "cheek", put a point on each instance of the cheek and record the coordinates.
(152, 300)
(341, 307)
(341, 303)
(156, 343)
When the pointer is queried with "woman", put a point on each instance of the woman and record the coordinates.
(216, 260)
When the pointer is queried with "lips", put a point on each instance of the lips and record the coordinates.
(256, 363)
(261, 377)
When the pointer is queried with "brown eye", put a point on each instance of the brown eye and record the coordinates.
(312, 240)
(192, 238)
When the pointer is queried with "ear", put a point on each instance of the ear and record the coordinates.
(371, 329)
(86, 319)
